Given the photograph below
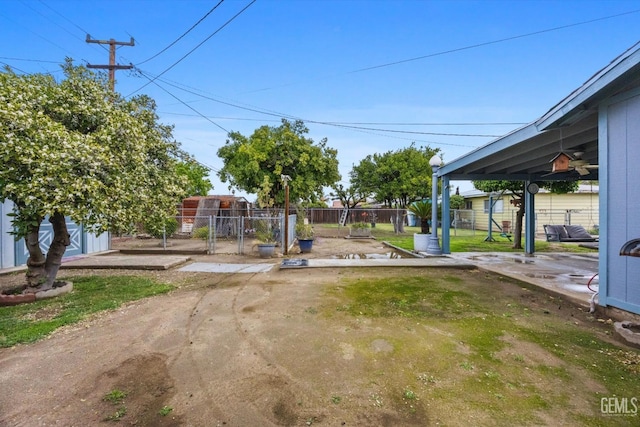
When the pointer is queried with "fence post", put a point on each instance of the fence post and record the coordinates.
(211, 248)
(241, 236)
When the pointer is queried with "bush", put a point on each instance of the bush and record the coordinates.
(201, 233)
(157, 226)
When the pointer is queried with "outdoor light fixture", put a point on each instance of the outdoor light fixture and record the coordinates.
(433, 247)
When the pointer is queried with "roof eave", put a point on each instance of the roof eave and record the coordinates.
(584, 99)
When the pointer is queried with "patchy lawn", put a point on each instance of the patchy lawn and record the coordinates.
(471, 348)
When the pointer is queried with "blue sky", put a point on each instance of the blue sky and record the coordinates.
(453, 67)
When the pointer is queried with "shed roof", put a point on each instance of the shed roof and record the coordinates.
(570, 126)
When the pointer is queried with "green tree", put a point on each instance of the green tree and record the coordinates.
(350, 196)
(196, 175)
(274, 151)
(396, 177)
(456, 202)
(516, 190)
(73, 148)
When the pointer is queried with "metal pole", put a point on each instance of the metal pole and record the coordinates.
(210, 249)
(286, 218)
(433, 248)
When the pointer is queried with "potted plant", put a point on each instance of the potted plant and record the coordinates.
(266, 232)
(304, 233)
(422, 210)
(360, 229)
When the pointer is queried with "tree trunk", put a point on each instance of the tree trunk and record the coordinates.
(41, 271)
(36, 274)
(424, 225)
(398, 223)
(517, 232)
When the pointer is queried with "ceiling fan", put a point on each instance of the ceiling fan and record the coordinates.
(563, 162)
(580, 165)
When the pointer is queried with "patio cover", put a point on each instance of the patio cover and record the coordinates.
(525, 154)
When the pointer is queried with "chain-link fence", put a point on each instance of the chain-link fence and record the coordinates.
(212, 235)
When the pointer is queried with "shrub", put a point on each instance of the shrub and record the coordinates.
(156, 226)
(201, 233)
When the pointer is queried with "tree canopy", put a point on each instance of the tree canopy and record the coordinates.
(196, 174)
(275, 151)
(75, 149)
(350, 197)
(396, 177)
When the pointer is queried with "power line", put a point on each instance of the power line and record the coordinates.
(68, 20)
(411, 132)
(345, 125)
(562, 27)
(248, 119)
(291, 117)
(432, 124)
(474, 46)
(49, 19)
(38, 35)
(181, 101)
(13, 68)
(30, 60)
(184, 34)
(192, 50)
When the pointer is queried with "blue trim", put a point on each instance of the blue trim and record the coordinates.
(623, 305)
(603, 159)
(632, 93)
(530, 222)
(603, 200)
(519, 135)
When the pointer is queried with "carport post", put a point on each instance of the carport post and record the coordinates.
(433, 246)
(530, 221)
(446, 215)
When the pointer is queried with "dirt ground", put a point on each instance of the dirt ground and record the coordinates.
(220, 350)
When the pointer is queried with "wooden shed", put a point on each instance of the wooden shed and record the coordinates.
(194, 212)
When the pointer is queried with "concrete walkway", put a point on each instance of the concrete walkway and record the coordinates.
(573, 275)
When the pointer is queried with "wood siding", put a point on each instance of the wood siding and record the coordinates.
(572, 208)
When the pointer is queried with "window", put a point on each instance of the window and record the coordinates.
(497, 206)
(468, 205)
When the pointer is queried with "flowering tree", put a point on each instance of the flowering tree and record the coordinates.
(74, 149)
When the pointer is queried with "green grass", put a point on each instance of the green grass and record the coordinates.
(495, 355)
(29, 322)
(465, 240)
(470, 241)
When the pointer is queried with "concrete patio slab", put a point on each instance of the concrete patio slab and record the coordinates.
(211, 267)
(130, 262)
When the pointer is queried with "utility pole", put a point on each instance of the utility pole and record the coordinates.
(112, 67)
